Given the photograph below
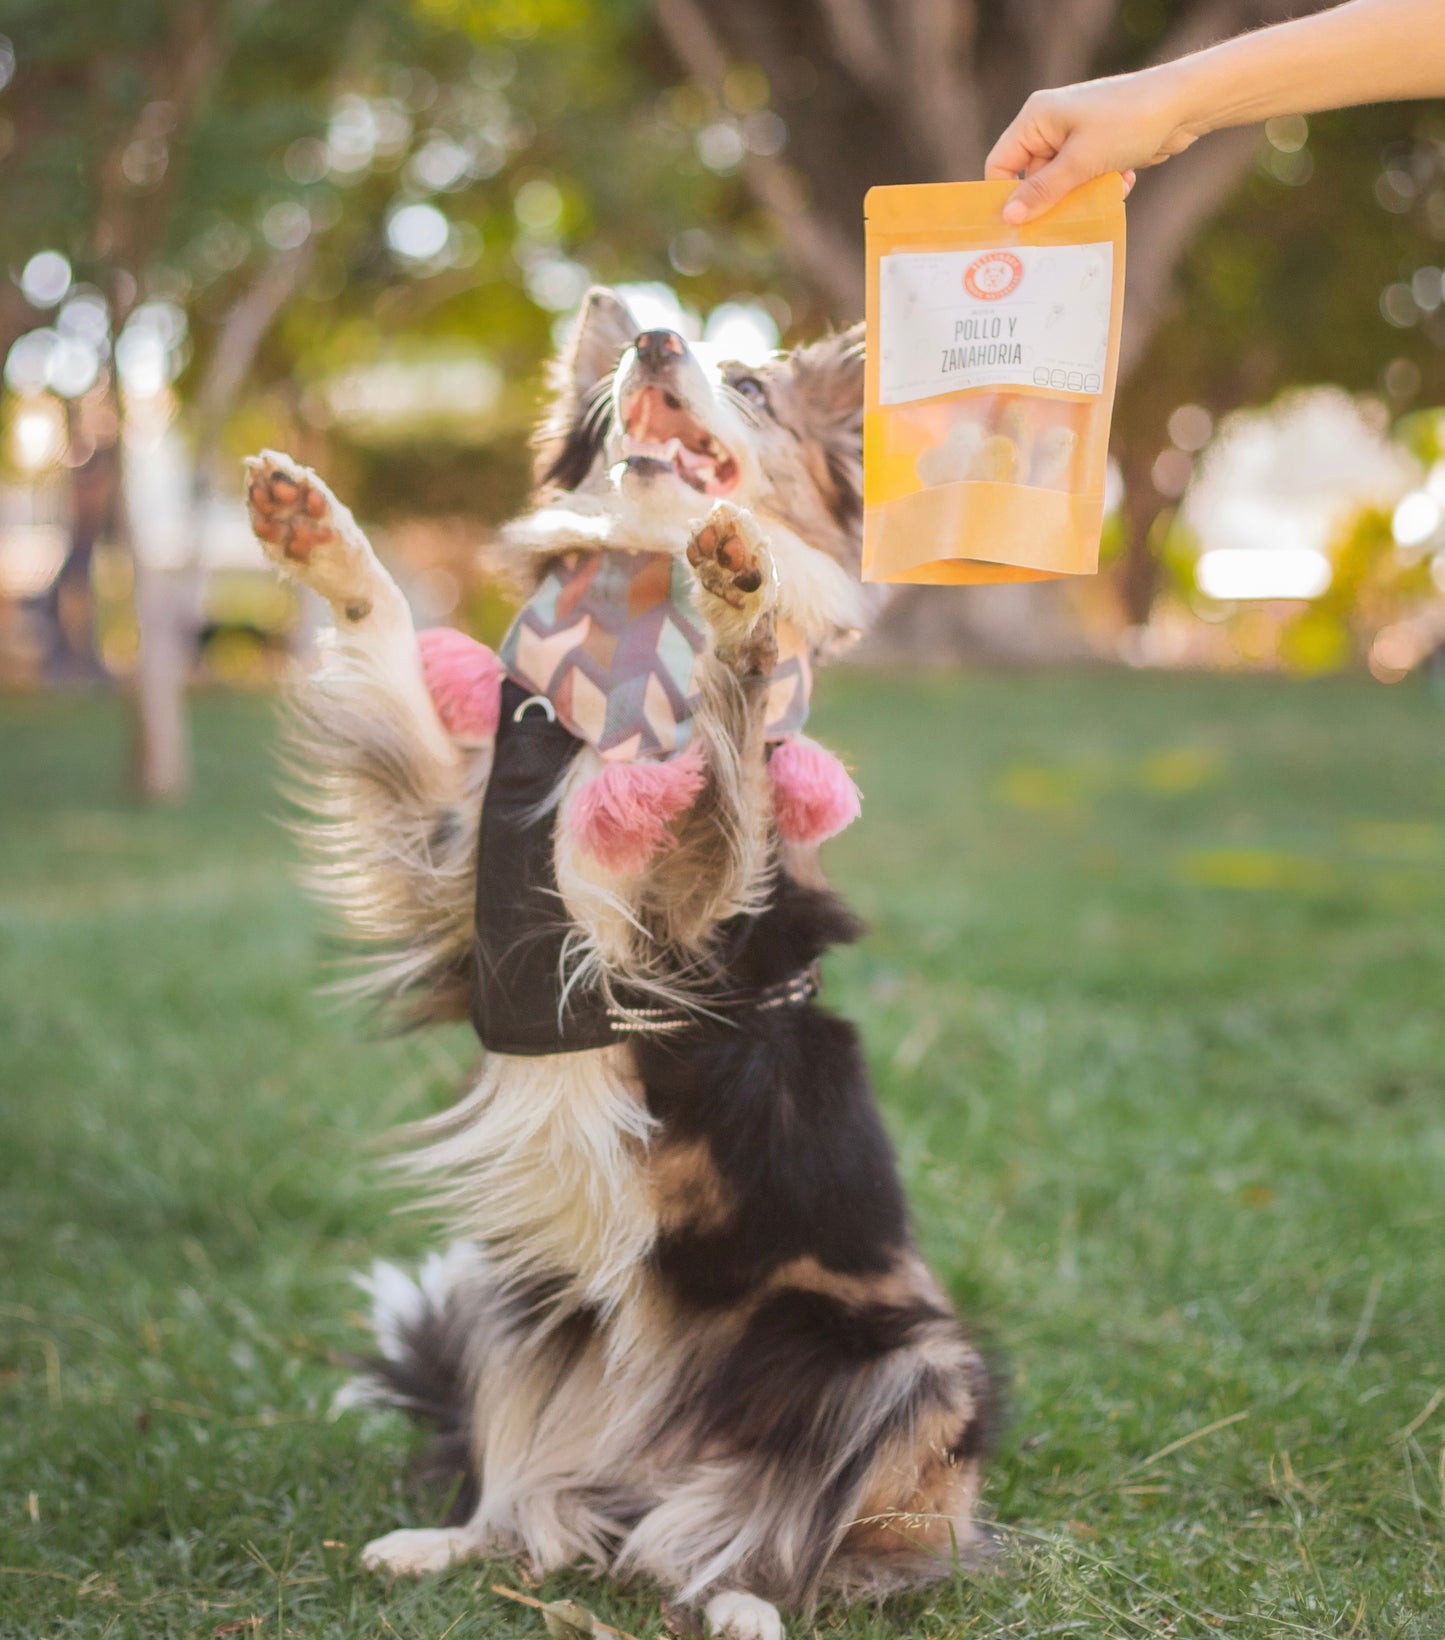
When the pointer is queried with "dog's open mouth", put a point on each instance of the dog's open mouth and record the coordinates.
(655, 427)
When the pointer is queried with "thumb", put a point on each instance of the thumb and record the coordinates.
(1045, 188)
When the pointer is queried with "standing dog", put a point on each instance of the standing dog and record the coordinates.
(685, 1331)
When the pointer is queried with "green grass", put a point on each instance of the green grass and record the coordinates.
(1153, 994)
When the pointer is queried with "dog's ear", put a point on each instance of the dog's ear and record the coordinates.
(829, 376)
(604, 330)
(828, 389)
(572, 430)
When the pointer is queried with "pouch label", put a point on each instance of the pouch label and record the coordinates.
(1027, 316)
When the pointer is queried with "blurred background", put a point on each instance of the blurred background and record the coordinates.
(355, 229)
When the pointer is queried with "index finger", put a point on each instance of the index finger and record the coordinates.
(1013, 155)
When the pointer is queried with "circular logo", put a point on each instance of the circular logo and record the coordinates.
(995, 274)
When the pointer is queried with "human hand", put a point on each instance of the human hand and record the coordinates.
(1061, 139)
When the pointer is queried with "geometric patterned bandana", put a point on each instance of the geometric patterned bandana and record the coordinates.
(612, 640)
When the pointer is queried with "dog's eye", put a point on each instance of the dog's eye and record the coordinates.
(751, 388)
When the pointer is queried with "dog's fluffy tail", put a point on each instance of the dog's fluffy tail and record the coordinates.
(422, 1328)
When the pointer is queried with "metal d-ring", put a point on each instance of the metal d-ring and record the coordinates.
(535, 700)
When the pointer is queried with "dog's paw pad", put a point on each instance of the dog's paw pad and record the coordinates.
(308, 534)
(291, 510)
(742, 1616)
(730, 555)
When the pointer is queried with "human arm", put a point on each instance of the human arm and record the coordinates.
(1364, 51)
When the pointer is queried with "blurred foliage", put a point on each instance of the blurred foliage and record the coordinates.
(1285, 285)
(531, 137)
(1375, 584)
(1423, 435)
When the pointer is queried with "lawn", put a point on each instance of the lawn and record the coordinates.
(1153, 993)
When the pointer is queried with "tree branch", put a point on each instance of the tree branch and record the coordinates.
(861, 47)
(1063, 55)
(237, 341)
(1166, 214)
(130, 227)
(1204, 25)
(16, 317)
(942, 101)
(830, 260)
(823, 256)
(693, 41)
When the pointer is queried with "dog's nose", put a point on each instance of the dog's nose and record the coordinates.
(660, 347)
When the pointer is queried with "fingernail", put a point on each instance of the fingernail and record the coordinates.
(1015, 211)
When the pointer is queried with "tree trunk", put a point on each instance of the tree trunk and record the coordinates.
(164, 599)
(1139, 572)
(67, 608)
(161, 768)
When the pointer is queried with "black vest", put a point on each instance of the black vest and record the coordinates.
(518, 1006)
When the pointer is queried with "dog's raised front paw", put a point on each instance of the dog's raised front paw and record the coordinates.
(731, 557)
(742, 1617)
(308, 533)
(737, 585)
(290, 507)
(412, 1552)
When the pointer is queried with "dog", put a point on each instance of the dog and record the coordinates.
(684, 1330)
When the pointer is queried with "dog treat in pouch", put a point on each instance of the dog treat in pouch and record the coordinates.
(992, 353)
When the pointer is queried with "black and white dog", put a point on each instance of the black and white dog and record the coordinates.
(684, 1330)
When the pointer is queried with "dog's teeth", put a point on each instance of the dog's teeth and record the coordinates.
(644, 447)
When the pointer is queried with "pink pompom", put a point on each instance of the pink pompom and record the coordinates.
(464, 679)
(621, 815)
(813, 795)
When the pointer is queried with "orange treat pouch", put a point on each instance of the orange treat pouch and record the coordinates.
(992, 353)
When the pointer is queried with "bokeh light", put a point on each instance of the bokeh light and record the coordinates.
(45, 279)
(1232, 574)
(1191, 427)
(657, 306)
(150, 351)
(37, 433)
(1417, 519)
(538, 205)
(417, 233)
(745, 331)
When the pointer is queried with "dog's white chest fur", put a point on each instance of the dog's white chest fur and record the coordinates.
(544, 1163)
